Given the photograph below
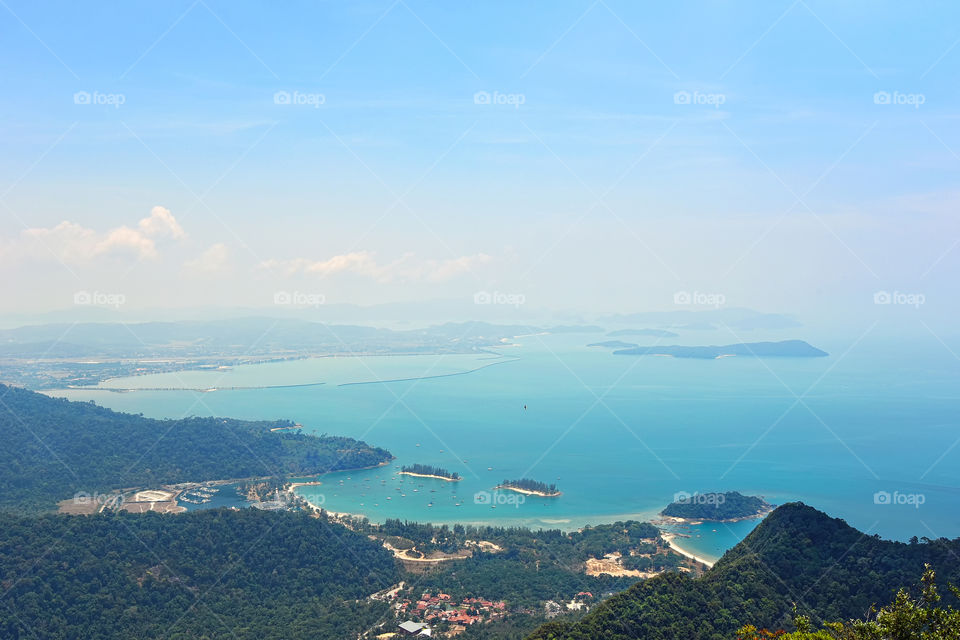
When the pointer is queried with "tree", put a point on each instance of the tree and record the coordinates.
(907, 618)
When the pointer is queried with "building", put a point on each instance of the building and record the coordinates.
(411, 628)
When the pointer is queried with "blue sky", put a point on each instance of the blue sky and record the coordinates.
(629, 151)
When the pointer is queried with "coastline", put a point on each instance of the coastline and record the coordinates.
(426, 475)
(670, 537)
(677, 520)
(528, 492)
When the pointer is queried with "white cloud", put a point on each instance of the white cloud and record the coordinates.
(72, 242)
(407, 268)
(161, 222)
(214, 260)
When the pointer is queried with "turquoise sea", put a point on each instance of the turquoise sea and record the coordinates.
(868, 434)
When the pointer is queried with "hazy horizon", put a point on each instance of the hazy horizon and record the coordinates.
(795, 158)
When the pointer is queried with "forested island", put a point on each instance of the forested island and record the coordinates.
(730, 505)
(55, 448)
(426, 471)
(782, 349)
(531, 487)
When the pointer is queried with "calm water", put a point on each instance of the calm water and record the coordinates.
(618, 435)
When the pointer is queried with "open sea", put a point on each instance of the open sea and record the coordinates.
(868, 434)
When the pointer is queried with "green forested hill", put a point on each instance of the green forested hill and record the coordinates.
(796, 555)
(53, 448)
(205, 574)
(716, 506)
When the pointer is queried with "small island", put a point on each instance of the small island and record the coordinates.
(614, 344)
(783, 349)
(654, 333)
(426, 471)
(730, 506)
(530, 487)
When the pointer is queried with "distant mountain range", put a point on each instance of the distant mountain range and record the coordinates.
(255, 335)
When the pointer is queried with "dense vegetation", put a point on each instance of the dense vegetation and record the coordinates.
(205, 574)
(910, 617)
(531, 566)
(796, 555)
(527, 484)
(427, 470)
(716, 506)
(54, 448)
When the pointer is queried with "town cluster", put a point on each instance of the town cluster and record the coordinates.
(442, 607)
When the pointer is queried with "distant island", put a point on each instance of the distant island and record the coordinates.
(783, 349)
(530, 487)
(426, 471)
(728, 506)
(613, 344)
(655, 333)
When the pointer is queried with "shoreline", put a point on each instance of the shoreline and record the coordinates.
(528, 492)
(670, 537)
(426, 475)
(677, 520)
(667, 536)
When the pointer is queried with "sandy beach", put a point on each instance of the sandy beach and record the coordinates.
(528, 492)
(670, 538)
(425, 475)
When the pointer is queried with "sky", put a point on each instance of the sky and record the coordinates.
(789, 156)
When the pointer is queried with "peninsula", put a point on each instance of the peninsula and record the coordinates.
(783, 349)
